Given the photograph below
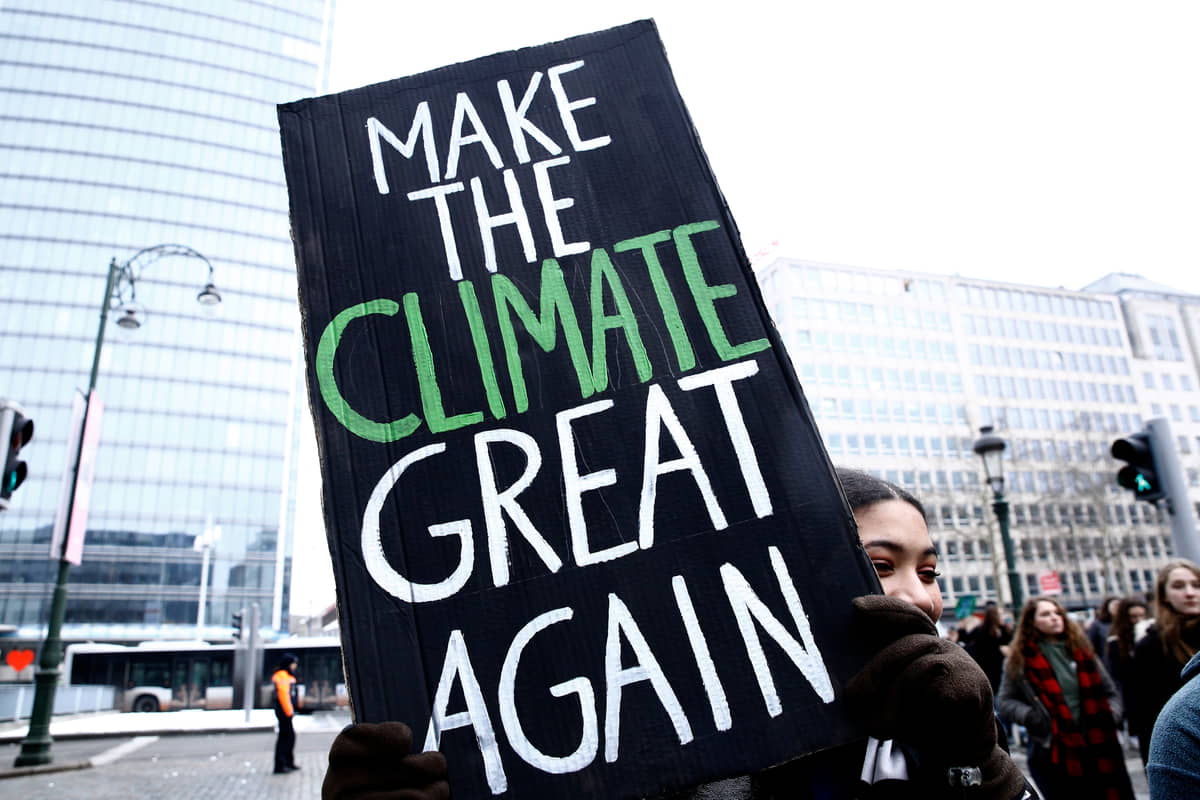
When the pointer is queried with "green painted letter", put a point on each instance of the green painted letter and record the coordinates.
(326, 350)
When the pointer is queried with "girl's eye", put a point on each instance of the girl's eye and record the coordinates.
(882, 567)
(929, 575)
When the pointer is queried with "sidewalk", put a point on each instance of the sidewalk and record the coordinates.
(164, 723)
(115, 724)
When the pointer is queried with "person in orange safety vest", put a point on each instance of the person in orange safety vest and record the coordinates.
(284, 683)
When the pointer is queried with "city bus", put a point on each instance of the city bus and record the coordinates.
(167, 676)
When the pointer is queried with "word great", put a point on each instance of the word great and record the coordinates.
(501, 503)
(623, 630)
(556, 313)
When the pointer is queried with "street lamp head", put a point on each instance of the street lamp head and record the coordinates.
(990, 448)
(130, 317)
(209, 296)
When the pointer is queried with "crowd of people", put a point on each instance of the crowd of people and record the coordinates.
(938, 709)
(1078, 693)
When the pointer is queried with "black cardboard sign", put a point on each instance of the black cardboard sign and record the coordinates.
(585, 536)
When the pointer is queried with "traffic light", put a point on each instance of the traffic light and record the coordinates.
(16, 430)
(1140, 473)
(237, 624)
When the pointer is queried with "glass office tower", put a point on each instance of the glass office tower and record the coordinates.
(125, 124)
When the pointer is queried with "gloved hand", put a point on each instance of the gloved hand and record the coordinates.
(375, 762)
(929, 694)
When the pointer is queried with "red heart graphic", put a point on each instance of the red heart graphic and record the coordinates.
(19, 659)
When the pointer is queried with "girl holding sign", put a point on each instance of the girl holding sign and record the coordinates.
(925, 702)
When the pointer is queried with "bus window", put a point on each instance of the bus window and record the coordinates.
(150, 670)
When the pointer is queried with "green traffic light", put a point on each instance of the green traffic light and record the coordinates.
(1143, 485)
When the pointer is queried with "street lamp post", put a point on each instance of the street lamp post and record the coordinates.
(120, 294)
(990, 449)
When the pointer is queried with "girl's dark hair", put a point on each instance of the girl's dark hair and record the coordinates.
(1102, 610)
(993, 624)
(863, 489)
(1122, 626)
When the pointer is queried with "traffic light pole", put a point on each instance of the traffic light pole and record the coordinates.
(1184, 540)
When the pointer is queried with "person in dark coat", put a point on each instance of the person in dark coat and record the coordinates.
(988, 644)
(285, 702)
(1098, 629)
(1159, 657)
(926, 703)
(1118, 650)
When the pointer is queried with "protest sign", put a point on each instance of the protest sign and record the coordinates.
(585, 536)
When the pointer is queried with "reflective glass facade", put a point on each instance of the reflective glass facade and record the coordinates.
(125, 124)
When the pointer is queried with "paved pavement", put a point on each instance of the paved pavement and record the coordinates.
(109, 758)
(1133, 764)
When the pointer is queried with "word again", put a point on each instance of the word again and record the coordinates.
(623, 630)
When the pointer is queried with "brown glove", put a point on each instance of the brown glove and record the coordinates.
(930, 695)
(375, 762)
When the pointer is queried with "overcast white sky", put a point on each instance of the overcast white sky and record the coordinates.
(1036, 142)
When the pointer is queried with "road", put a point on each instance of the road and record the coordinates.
(186, 767)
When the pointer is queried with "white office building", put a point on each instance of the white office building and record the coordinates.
(902, 369)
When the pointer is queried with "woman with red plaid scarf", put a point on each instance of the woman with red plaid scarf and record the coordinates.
(1058, 689)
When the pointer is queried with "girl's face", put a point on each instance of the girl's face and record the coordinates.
(898, 544)
(1137, 614)
(1183, 591)
(1047, 620)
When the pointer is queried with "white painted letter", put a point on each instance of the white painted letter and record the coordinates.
(376, 562)
(551, 206)
(804, 653)
(620, 621)
(438, 193)
(458, 665)
(518, 126)
(496, 502)
(581, 687)
(567, 108)
(574, 485)
(463, 108)
(422, 126)
(704, 661)
(721, 379)
(658, 413)
(488, 223)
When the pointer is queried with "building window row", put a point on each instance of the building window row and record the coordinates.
(1167, 381)
(1039, 331)
(986, 355)
(1057, 419)
(1034, 302)
(859, 284)
(877, 379)
(865, 410)
(1010, 388)
(870, 444)
(866, 344)
(804, 308)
